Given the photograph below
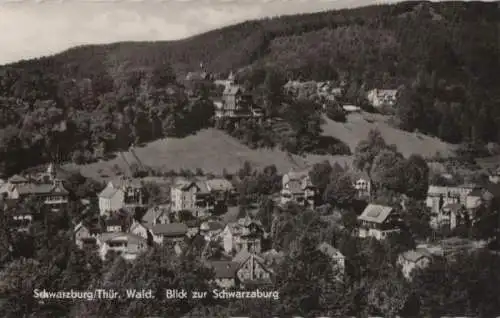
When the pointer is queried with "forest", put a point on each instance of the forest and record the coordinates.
(83, 103)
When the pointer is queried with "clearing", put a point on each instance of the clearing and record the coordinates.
(359, 124)
(212, 150)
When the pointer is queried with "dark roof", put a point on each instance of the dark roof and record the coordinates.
(113, 222)
(455, 207)
(40, 189)
(171, 229)
(224, 269)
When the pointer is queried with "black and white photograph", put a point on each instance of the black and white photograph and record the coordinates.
(249, 159)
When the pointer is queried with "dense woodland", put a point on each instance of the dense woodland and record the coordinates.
(87, 101)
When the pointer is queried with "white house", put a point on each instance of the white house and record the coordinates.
(297, 187)
(139, 229)
(438, 196)
(246, 234)
(86, 235)
(252, 268)
(362, 183)
(190, 195)
(119, 194)
(382, 97)
(378, 221)
(411, 260)
(127, 245)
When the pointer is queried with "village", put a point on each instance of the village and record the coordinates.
(222, 215)
(236, 244)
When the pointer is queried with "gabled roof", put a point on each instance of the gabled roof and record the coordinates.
(122, 182)
(219, 184)
(232, 90)
(375, 213)
(211, 226)
(170, 229)
(415, 255)
(183, 184)
(119, 236)
(453, 207)
(108, 192)
(358, 175)
(17, 179)
(202, 187)
(244, 255)
(154, 213)
(224, 269)
(40, 189)
(113, 222)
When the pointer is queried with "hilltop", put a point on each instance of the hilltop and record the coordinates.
(90, 100)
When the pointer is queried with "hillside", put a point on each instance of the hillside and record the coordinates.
(96, 99)
(358, 125)
(210, 150)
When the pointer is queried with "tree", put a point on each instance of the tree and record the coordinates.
(387, 171)
(273, 91)
(340, 192)
(320, 175)
(389, 294)
(368, 149)
(416, 177)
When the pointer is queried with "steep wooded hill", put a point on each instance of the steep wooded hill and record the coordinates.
(98, 98)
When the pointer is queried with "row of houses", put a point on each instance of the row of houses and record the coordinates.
(376, 97)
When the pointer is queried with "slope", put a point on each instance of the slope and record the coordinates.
(358, 125)
(211, 150)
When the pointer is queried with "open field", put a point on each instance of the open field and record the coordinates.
(212, 150)
(359, 124)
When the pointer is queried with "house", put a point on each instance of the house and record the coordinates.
(190, 195)
(49, 189)
(297, 187)
(171, 232)
(159, 214)
(337, 259)
(382, 97)
(438, 196)
(252, 268)
(225, 273)
(378, 221)
(86, 235)
(127, 245)
(220, 188)
(211, 230)
(362, 183)
(478, 197)
(227, 82)
(245, 234)
(141, 230)
(411, 260)
(119, 194)
(21, 218)
(236, 103)
(351, 108)
(113, 224)
(193, 227)
(449, 216)
(494, 177)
